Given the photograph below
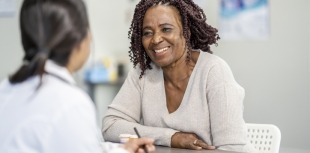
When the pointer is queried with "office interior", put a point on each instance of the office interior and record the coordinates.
(275, 72)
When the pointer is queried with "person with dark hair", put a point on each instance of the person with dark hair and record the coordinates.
(178, 93)
(41, 108)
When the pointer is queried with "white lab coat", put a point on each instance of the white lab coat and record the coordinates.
(57, 118)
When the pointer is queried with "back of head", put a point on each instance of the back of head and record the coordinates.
(50, 29)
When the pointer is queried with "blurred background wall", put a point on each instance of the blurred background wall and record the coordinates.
(274, 72)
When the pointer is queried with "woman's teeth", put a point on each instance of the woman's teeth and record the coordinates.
(161, 50)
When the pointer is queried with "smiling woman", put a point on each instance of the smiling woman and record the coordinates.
(178, 92)
(162, 35)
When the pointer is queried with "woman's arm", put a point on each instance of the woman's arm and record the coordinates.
(225, 97)
(125, 113)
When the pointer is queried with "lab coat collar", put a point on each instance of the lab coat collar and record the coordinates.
(62, 72)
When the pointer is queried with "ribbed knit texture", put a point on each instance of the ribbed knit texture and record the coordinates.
(212, 107)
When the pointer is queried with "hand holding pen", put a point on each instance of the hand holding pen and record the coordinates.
(144, 147)
(134, 145)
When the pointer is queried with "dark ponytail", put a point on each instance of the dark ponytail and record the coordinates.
(34, 60)
(28, 69)
(50, 29)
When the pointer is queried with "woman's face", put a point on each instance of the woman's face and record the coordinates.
(163, 38)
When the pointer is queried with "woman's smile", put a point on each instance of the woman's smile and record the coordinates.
(161, 52)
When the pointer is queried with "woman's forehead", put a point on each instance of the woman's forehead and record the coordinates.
(162, 14)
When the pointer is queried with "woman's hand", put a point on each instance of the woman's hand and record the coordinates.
(136, 145)
(188, 141)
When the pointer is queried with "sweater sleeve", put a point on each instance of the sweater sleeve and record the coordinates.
(225, 97)
(125, 113)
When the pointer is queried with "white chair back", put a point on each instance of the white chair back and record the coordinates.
(265, 138)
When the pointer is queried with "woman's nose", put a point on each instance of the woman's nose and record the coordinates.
(157, 38)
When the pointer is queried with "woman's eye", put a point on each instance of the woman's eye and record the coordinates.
(147, 33)
(166, 29)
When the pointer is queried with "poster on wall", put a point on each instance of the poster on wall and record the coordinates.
(244, 20)
(7, 8)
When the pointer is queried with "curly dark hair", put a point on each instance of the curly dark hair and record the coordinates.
(197, 33)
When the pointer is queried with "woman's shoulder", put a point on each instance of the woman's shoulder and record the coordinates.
(3, 83)
(215, 67)
(210, 61)
(67, 94)
(155, 71)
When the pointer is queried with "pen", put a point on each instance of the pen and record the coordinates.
(144, 147)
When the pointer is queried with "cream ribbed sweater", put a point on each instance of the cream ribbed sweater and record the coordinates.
(212, 107)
